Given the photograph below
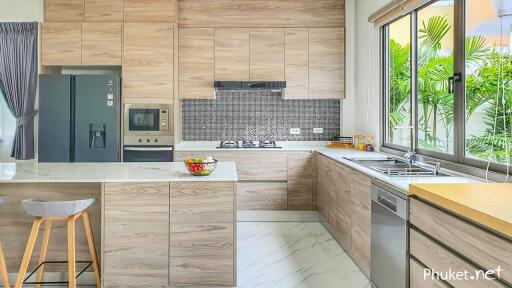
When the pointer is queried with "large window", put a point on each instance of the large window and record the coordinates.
(448, 77)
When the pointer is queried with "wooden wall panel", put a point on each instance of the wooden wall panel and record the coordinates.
(64, 10)
(267, 54)
(150, 11)
(61, 43)
(262, 13)
(104, 11)
(101, 43)
(231, 54)
(296, 63)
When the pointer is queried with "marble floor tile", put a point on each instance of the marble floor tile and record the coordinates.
(293, 254)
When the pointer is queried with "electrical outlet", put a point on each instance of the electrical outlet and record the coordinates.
(295, 131)
(318, 130)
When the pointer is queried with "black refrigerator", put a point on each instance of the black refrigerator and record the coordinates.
(79, 118)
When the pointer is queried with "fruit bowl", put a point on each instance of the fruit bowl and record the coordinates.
(200, 167)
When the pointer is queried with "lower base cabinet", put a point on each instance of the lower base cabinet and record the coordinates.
(261, 196)
(169, 234)
(418, 279)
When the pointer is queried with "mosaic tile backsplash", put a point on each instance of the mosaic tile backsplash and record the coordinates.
(258, 115)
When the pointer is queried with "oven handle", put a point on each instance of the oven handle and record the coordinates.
(148, 148)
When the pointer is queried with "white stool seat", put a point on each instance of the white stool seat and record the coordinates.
(41, 208)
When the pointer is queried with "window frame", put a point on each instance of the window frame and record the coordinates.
(459, 159)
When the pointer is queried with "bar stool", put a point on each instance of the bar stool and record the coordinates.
(48, 212)
(3, 266)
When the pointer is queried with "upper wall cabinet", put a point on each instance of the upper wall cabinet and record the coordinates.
(261, 13)
(296, 63)
(267, 54)
(148, 68)
(61, 43)
(63, 10)
(326, 63)
(101, 43)
(104, 11)
(150, 11)
(232, 54)
(196, 63)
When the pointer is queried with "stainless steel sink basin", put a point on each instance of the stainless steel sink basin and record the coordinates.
(393, 167)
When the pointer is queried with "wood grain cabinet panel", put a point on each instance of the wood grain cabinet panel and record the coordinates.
(202, 239)
(202, 202)
(361, 187)
(208, 271)
(296, 63)
(439, 259)
(326, 63)
(136, 234)
(322, 196)
(343, 205)
(267, 54)
(110, 11)
(484, 248)
(61, 43)
(196, 63)
(64, 11)
(300, 181)
(231, 54)
(136, 11)
(417, 279)
(148, 62)
(101, 43)
(261, 195)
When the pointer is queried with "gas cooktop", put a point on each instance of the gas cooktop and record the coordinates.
(247, 144)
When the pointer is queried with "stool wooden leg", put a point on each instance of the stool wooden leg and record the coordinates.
(28, 252)
(44, 249)
(71, 250)
(92, 247)
(3, 269)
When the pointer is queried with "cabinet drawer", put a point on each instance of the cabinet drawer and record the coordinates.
(202, 202)
(417, 278)
(210, 271)
(261, 196)
(202, 239)
(441, 260)
(478, 245)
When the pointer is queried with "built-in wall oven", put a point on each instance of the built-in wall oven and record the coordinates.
(148, 133)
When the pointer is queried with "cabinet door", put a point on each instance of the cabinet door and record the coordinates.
(300, 181)
(296, 63)
(196, 63)
(104, 11)
(361, 186)
(101, 43)
(61, 43)
(136, 235)
(322, 197)
(231, 54)
(64, 11)
(343, 206)
(150, 11)
(267, 54)
(148, 62)
(326, 63)
(261, 195)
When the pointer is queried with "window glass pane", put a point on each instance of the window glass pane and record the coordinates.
(488, 80)
(7, 128)
(435, 65)
(399, 82)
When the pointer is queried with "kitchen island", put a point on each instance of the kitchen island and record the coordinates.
(155, 224)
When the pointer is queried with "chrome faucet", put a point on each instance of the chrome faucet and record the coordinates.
(410, 156)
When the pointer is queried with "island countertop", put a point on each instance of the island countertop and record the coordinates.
(32, 172)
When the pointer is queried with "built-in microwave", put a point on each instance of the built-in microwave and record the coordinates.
(148, 124)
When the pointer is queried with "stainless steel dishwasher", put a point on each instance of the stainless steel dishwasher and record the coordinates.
(389, 261)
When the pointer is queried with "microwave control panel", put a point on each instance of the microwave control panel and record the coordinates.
(164, 120)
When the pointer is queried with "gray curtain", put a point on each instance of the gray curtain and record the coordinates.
(18, 81)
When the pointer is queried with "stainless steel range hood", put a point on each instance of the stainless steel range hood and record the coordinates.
(250, 85)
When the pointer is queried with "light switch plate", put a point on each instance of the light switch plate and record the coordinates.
(295, 131)
(318, 130)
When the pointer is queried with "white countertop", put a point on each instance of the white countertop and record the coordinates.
(31, 172)
(189, 146)
(400, 183)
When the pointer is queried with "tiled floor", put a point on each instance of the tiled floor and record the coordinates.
(293, 254)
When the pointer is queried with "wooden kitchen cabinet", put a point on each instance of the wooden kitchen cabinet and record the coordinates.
(417, 277)
(148, 63)
(64, 11)
(196, 63)
(296, 63)
(61, 43)
(261, 195)
(109, 11)
(343, 205)
(326, 63)
(300, 181)
(136, 234)
(101, 43)
(137, 11)
(232, 54)
(267, 54)
(360, 195)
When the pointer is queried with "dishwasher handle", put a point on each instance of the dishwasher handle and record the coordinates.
(386, 203)
(389, 201)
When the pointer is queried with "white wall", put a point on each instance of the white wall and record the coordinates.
(362, 110)
(21, 10)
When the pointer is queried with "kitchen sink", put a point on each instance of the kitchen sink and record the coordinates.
(393, 167)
